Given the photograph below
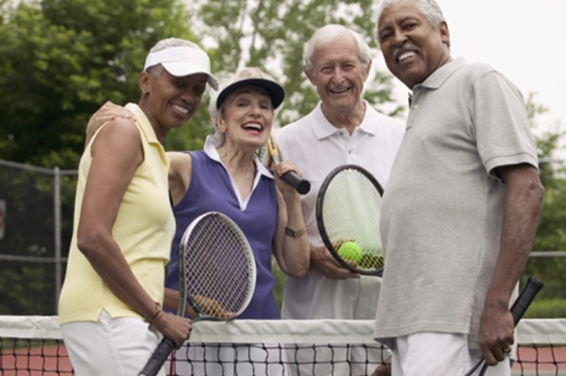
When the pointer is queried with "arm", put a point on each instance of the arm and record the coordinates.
(180, 171)
(116, 155)
(292, 254)
(520, 219)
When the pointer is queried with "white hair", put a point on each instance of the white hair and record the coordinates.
(328, 34)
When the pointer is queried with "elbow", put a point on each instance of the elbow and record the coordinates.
(536, 192)
(298, 273)
(539, 191)
(298, 269)
(88, 242)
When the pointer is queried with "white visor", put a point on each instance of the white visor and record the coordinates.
(182, 61)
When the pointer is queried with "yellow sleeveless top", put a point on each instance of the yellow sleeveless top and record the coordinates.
(144, 230)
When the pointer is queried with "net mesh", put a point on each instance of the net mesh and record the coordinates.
(32, 346)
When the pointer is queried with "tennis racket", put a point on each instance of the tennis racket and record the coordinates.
(217, 276)
(518, 309)
(347, 214)
(270, 153)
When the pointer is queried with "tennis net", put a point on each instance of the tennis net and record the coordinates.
(32, 346)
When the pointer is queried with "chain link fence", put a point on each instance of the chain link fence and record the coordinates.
(36, 213)
(36, 221)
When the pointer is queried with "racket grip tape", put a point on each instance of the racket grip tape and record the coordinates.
(525, 298)
(302, 186)
(159, 356)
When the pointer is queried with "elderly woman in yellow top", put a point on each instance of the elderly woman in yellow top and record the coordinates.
(110, 306)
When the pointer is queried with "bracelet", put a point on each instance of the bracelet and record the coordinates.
(152, 317)
(294, 233)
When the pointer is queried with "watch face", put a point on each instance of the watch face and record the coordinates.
(294, 234)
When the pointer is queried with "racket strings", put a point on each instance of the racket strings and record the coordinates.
(218, 270)
(351, 212)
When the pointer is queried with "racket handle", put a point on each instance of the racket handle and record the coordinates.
(303, 186)
(525, 298)
(518, 309)
(159, 356)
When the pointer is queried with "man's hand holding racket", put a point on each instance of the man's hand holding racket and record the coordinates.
(501, 343)
(496, 334)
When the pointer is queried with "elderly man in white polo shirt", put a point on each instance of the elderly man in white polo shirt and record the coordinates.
(342, 129)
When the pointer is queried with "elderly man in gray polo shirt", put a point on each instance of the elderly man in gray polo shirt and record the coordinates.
(461, 208)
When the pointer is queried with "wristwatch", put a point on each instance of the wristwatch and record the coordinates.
(294, 233)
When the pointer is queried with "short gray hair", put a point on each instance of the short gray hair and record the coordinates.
(331, 33)
(155, 70)
(428, 8)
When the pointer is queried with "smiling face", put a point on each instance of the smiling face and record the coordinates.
(170, 101)
(246, 117)
(412, 48)
(338, 74)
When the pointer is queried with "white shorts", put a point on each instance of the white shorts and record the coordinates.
(118, 347)
(438, 354)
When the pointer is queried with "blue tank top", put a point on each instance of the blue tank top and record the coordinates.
(211, 190)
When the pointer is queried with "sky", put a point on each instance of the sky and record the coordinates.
(524, 40)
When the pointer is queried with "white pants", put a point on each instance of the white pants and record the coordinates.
(118, 347)
(438, 354)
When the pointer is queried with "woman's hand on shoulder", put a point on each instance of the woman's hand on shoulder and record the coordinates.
(108, 112)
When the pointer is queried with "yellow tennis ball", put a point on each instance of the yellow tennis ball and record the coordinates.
(350, 251)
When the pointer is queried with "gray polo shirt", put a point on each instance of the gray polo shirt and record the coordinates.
(443, 207)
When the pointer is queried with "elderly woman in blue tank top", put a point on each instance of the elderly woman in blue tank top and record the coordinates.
(227, 177)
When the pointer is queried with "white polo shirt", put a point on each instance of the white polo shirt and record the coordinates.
(317, 147)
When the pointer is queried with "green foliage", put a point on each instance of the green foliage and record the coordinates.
(551, 234)
(547, 309)
(271, 34)
(280, 279)
(62, 59)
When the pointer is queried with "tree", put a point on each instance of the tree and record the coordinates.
(61, 59)
(551, 234)
(270, 34)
